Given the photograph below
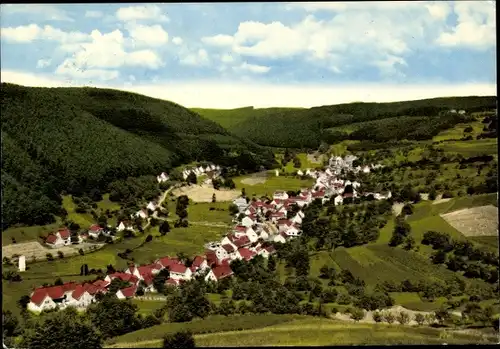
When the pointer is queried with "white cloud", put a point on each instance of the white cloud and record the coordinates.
(227, 58)
(210, 94)
(43, 63)
(194, 59)
(105, 51)
(45, 11)
(93, 14)
(476, 26)
(177, 40)
(31, 32)
(153, 35)
(258, 69)
(218, 40)
(356, 33)
(146, 12)
(71, 70)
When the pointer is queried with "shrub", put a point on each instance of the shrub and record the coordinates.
(60, 254)
(80, 251)
(377, 317)
(389, 317)
(403, 318)
(50, 257)
(420, 319)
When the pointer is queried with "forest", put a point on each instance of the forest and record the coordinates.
(79, 139)
(307, 128)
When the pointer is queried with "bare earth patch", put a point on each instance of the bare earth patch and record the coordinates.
(477, 221)
(256, 178)
(424, 196)
(35, 249)
(315, 158)
(203, 193)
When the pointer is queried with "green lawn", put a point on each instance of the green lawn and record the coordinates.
(490, 242)
(148, 307)
(216, 323)
(273, 184)
(23, 234)
(200, 212)
(326, 332)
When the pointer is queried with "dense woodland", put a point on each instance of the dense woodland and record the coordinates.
(307, 128)
(80, 139)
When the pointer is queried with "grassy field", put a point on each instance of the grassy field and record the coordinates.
(147, 307)
(23, 234)
(305, 163)
(320, 331)
(83, 219)
(211, 324)
(200, 212)
(457, 132)
(272, 184)
(476, 147)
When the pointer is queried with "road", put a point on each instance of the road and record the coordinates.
(160, 201)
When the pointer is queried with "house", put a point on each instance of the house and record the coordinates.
(133, 270)
(241, 203)
(141, 213)
(276, 216)
(172, 282)
(264, 233)
(210, 276)
(240, 230)
(280, 194)
(95, 230)
(212, 259)
(149, 284)
(246, 254)
(338, 200)
(279, 238)
(241, 242)
(247, 221)
(82, 297)
(284, 224)
(300, 173)
(228, 240)
(222, 272)
(44, 298)
(179, 271)
(127, 292)
(252, 235)
(163, 177)
(297, 219)
(366, 169)
(356, 185)
(124, 226)
(151, 206)
(292, 231)
(123, 276)
(59, 239)
(199, 264)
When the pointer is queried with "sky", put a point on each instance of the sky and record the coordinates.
(229, 55)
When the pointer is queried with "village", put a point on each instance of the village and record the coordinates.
(258, 226)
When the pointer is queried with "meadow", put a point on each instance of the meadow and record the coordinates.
(273, 184)
(488, 146)
(457, 132)
(320, 331)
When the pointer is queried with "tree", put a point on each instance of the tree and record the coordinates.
(62, 329)
(227, 307)
(50, 257)
(80, 251)
(58, 282)
(113, 317)
(149, 238)
(377, 317)
(60, 254)
(164, 227)
(442, 315)
(179, 340)
(357, 314)
(296, 162)
(233, 209)
(389, 317)
(23, 302)
(243, 192)
(420, 319)
(409, 243)
(10, 324)
(214, 197)
(191, 178)
(403, 317)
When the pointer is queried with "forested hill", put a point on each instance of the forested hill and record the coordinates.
(295, 128)
(77, 139)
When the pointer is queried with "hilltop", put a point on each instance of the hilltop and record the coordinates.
(307, 128)
(79, 139)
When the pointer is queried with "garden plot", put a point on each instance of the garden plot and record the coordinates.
(203, 193)
(477, 221)
(37, 251)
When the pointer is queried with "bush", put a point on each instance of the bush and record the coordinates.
(377, 317)
(60, 254)
(403, 318)
(389, 317)
(179, 340)
(50, 257)
(80, 251)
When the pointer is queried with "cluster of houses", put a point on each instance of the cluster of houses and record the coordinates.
(211, 170)
(257, 225)
(63, 236)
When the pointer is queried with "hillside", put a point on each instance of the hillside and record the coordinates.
(78, 139)
(297, 128)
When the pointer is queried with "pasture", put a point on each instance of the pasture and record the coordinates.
(457, 132)
(35, 251)
(24, 234)
(470, 148)
(477, 221)
(326, 332)
(273, 184)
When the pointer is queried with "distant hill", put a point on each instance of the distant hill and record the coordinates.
(296, 128)
(56, 139)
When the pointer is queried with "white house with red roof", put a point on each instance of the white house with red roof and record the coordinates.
(44, 298)
(141, 213)
(280, 194)
(338, 200)
(280, 237)
(221, 272)
(59, 239)
(123, 276)
(127, 292)
(134, 270)
(228, 240)
(297, 219)
(179, 271)
(95, 230)
(246, 254)
(151, 206)
(199, 264)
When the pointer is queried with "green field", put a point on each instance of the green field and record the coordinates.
(457, 132)
(273, 184)
(211, 324)
(320, 331)
(23, 234)
(488, 146)
(304, 163)
(147, 307)
(200, 212)
(83, 219)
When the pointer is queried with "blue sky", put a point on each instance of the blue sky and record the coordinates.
(263, 54)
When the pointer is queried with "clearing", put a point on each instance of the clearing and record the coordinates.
(271, 185)
(203, 193)
(256, 178)
(477, 221)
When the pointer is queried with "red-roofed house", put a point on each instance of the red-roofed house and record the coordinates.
(222, 272)
(180, 272)
(280, 238)
(124, 276)
(212, 259)
(148, 281)
(199, 264)
(246, 254)
(248, 221)
(101, 284)
(59, 239)
(172, 282)
(133, 270)
(82, 297)
(280, 194)
(49, 297)
(243, 241)
(277, 215)
(284, 224)
(95, 230)
(127, 292)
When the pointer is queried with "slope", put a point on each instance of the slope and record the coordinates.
(58, 139)
(296, 128)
